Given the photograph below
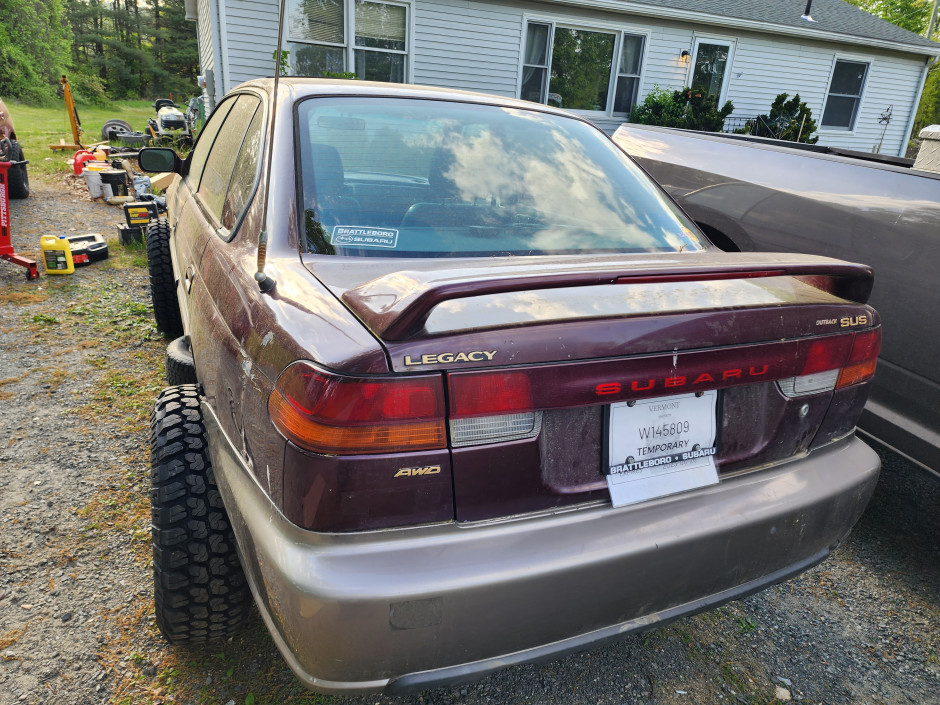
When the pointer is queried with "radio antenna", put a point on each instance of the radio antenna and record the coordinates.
(266, 283)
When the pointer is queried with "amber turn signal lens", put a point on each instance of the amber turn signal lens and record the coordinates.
(862, 360)
(336, 415)
(856, 373)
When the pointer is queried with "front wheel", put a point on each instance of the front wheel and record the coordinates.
(200, 590)
(166, 308)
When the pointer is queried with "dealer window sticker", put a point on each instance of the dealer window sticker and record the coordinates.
(363, 236)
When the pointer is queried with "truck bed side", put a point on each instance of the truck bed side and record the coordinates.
(764, 196)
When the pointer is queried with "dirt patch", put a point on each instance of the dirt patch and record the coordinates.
(80, 364)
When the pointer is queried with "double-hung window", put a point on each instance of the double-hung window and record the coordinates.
(581, 69)
(845, 95)
(366, 37)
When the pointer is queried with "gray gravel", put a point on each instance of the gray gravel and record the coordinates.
(863, 627)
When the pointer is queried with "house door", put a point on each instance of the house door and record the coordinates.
(710, 67)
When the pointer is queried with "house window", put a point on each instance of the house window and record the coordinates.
(710, 68)
(845, 94)
(364, 37)
(581, 69)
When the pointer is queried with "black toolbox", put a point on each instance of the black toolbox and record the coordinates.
(87, 248)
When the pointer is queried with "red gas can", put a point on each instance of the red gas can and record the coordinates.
(81, 156)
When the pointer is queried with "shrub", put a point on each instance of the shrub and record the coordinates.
(790, 120)
(687, 109)
(89, 89)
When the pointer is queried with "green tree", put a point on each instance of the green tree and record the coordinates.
(135, 49)
(912, 15)
(928, 112)
(790, 120)
(34, 48)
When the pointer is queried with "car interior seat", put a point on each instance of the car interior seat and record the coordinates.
(325, 187)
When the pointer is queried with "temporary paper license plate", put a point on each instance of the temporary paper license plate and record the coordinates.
(660, 446)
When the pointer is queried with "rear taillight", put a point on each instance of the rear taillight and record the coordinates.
(861, 363)
(835, 362)
(335, 415)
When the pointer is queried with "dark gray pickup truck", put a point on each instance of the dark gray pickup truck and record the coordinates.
(754, 194)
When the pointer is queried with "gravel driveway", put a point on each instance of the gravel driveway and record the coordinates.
(80, 363)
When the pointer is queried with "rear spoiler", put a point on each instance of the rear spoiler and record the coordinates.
(396, 306)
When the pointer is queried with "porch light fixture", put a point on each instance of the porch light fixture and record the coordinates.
(684, 55)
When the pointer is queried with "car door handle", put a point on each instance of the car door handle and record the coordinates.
(188, 277)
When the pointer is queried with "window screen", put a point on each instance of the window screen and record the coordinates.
(845, 94)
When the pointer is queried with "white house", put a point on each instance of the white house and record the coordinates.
(595, 57)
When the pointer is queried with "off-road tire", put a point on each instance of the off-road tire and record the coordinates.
(115, 127)
(180, 365)
(200, 591)
(17, 178)
(166, 308)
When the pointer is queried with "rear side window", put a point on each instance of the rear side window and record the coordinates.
(245, 175)
(197, 161)
(386, 177)
(220, 164)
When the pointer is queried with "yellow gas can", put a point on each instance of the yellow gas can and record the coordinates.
(57, 254)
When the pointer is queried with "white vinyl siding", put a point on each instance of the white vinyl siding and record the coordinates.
(204, 23)
(209, 48)
(467, 45)
(765, 66)
(251, 38)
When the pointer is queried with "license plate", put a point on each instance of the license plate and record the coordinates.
(658, 447)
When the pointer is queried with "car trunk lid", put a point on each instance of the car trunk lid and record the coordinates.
(535, 352)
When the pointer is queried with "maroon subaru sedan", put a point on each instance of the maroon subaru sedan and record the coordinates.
(457, 386)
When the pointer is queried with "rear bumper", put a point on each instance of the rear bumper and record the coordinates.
(408, 609)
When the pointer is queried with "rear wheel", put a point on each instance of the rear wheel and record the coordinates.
(17, 177)
(200, 591)
(166, 309)
(180, 365)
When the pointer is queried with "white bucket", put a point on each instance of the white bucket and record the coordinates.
(93, 182)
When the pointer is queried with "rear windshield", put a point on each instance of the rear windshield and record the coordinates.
(388, 177)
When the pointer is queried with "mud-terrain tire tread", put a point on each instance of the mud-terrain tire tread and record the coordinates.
(166, 308)
(200, 590)
(17, 178)
(180, 364)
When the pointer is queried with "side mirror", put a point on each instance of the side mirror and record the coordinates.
(159, 160)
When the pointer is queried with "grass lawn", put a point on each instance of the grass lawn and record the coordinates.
(37, 128)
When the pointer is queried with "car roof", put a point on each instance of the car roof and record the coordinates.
(303, 87)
